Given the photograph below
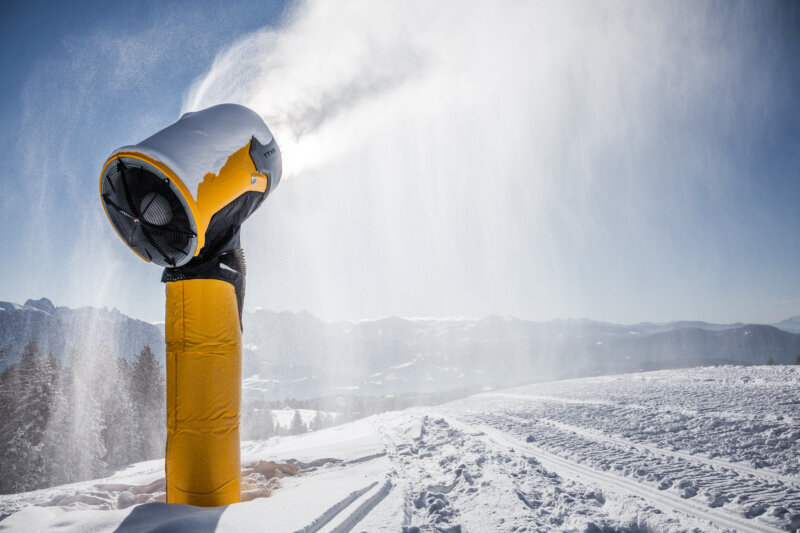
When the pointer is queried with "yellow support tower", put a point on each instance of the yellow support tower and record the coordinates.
(204, 383)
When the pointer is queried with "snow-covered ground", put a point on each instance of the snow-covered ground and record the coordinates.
(682, 450)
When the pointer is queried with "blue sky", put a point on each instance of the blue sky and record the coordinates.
(615, 161)
(78, 81)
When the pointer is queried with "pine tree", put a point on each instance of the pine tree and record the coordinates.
(22, 463)
(257, 421)
(314, 425)
(267, 422)
(120, 432)
(26, 391)
(148, 393)
(4, 353)
(321, 420)
(297, 426)
(74, 444)
(62, 424)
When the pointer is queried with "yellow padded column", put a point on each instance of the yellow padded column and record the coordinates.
(204, 379)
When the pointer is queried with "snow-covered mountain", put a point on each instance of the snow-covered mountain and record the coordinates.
(791, 324)
(62, 330)
(297, 355)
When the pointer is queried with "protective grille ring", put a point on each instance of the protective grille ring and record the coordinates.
(147, 213)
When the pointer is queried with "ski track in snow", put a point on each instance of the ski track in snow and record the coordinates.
(724, 465)
(724, 440)
(614, 483)
(711, 449)
(456, 481)
(331, 513)
(364, 509)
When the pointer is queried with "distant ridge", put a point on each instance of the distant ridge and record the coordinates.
(791, 324)
(395, 354)
(298, 355)
(62, 330)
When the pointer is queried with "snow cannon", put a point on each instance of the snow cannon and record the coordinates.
(178, 199)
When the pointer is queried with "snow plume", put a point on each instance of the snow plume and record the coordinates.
(336, 73)
(570, 142)
(359, 53)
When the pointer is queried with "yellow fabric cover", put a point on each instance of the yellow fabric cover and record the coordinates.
(204, 380)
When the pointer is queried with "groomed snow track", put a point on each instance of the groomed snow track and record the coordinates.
(617, 484)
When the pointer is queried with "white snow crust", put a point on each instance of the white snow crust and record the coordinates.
(710, 449)
(202, 141)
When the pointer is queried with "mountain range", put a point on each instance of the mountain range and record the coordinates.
(298, 355)
(63, 331)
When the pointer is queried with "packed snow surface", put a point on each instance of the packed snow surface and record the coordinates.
(201, 142)
(709, 449)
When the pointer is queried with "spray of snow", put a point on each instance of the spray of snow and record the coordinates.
(558, 139)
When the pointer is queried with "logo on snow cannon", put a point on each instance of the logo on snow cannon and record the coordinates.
(178, 199)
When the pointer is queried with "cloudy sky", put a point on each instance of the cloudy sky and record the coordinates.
(621, 161)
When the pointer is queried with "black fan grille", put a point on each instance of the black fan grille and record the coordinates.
(147, 213)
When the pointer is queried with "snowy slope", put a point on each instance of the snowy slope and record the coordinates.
(705, 449)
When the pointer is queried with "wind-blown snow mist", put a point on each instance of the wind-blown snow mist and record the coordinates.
(456, 158)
